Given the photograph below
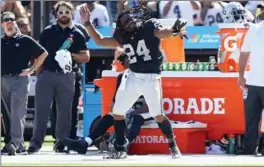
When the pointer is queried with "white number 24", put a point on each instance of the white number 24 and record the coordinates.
(142, 50)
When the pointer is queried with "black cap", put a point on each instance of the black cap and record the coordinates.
(261, 5)
(10, 14)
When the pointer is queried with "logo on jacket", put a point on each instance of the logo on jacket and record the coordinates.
(71, 35)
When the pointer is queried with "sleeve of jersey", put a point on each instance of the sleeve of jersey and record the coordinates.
(117, 37)
(153, 24)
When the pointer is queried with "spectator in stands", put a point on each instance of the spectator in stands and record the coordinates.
(15, 7)
(197, 7)
(152, 6)
(252, 6)
(211, 14)
(24, 26)
(99, 14)
(178, 9)
(112, 8)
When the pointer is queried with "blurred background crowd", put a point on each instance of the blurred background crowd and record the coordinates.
(103, 13)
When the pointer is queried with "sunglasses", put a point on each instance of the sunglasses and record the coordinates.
(67, 12)
(9, 19)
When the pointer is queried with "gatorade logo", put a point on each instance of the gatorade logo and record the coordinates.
(230, 43)
(203, 106)
(150, 139)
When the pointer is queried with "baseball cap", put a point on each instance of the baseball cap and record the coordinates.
(259, 12)
(261, 4)
(7, 14)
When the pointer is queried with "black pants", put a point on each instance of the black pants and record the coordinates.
(77, 94)
(254, 103)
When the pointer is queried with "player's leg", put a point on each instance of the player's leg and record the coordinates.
(81, 145)
(133, 131)
(124, 99)
(137, 122)
(152, 92)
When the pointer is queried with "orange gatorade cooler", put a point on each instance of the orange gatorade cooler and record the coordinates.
(172, 48)
(232, 38)
(150, 140)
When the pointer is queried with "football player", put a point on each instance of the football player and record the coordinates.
(135, 118)
(140, 39)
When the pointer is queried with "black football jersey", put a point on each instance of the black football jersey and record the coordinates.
(143, 48)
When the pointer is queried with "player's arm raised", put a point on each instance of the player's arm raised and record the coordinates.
(97, 37)
(175, 30)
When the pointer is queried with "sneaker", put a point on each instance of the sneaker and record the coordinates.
(80, 146)
(11, 149)
(114, 154)
(32, 150)
(21, 150)
(118, 151)
(260, 148)
(59, 147)
(4, 151)
(174, 150)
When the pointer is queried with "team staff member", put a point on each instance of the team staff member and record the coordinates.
(254, 85)
(77, 94)
(54, 80)
(259, 18)
(17, 51)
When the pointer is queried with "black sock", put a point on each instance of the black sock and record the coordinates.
(166, 129)
(120, 126)
(102, 127)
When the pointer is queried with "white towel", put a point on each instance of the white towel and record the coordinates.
(63, 57)
(214, 149)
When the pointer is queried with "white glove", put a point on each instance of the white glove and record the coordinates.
(63, 57)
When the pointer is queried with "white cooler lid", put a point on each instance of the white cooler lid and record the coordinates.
(178, 124)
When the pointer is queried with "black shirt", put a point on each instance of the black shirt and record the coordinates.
(17, 51)
(87, 38)
(83, 30)
(143, 48)
(52, 38)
